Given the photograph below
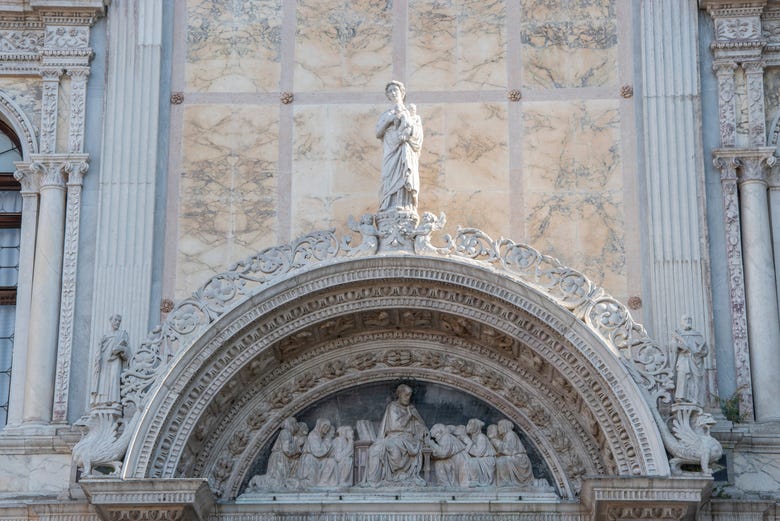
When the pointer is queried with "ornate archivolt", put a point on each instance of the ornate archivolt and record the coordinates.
(510, 346)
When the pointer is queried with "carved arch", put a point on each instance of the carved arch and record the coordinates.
(13, 115)
(267, 322)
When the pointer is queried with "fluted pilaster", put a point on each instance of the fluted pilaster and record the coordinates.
(127, 171)
(674, 184)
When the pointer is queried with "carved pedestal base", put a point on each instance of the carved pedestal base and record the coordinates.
(656, 499)
(396, 230)
(150, 500)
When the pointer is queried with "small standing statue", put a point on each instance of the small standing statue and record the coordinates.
(689, 368)
(113, 355)
(400, 130)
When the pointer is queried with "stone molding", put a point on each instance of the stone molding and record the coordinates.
(152, 500)
(645, 498)
(21, 124)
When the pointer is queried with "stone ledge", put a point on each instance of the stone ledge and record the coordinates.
(605, 497)
(139, 499)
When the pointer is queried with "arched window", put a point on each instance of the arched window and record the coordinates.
(10, 235)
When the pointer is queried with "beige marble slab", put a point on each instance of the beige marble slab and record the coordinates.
(343, 45)
(233, 46)
(228, 192)
(457, 44)
(575, 46)
(335, 172)
(573, 187)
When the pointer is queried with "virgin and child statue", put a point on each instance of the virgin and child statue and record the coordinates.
(400, 129)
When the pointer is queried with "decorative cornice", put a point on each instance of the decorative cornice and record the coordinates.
(147, 499)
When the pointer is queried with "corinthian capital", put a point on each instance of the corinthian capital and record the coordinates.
(57, 170)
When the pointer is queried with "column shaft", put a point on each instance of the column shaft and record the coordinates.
(23, 297)
(45, 303)
(761, 299)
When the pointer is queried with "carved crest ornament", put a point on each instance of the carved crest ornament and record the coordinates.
(401, 448)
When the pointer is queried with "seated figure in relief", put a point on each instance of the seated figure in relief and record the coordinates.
(449, 457)
(513, 467)
(280, 472)
(481, 466)
(343, 454)
(395, 458)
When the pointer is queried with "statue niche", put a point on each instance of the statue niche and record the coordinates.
(395, 449)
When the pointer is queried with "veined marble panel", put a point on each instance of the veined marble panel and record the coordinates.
(27, 93)
(35, 473)
(457, 44)
(573, 188)
(575, 46)
(464, 165)
(233, 46)
(757, 472)
(343, 44)
(335, 173)
(63, 114)
(227, 205)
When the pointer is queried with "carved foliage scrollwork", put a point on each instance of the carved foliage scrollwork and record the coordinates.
(66, 37)
(726, 102)
(51, 82)
(20, 41)
(736, 281)
(68, 303)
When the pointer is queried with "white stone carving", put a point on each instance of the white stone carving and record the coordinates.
(689, 440)
(736, 282)
(513, 467)
(395, 458)
(51, 83)
(66, 37)
(76, 173)
(78, 96)
(724, 72)
(20, 41)
(448, 454)
(691, 351)
(400, 130)
(399, 455)
(737, 28)
(105, 443)
(111, 358)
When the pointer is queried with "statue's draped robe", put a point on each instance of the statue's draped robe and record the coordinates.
(449, 461)
(113, 353)
(482, 465)
(689, 367)
(513, 467)
(400, 160)
(397, 455)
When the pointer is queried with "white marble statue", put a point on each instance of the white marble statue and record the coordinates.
(396, 456)
(109, 362)
(449, 457)
(513, 467)
(689, 368)
(343, 454)
(481, 466)
(400, 129)
(317, 467)
(280, 472)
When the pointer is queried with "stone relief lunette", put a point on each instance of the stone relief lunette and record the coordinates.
(399, 452)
